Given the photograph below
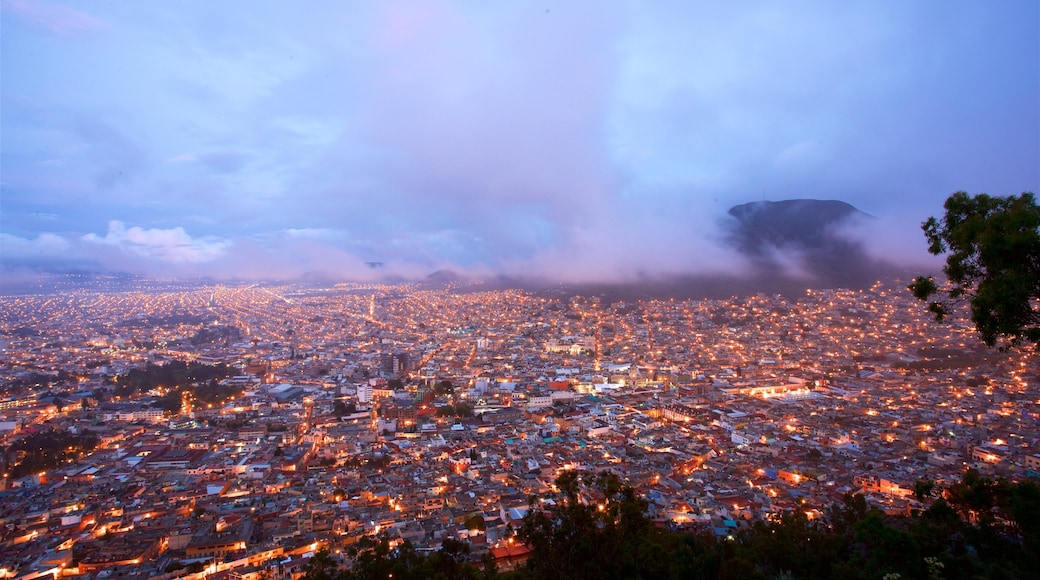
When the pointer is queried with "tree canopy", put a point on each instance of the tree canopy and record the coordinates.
(44, 450)
(992, 247)
(594, 526)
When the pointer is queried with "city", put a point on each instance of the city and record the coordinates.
(306, 417)
(511, 291)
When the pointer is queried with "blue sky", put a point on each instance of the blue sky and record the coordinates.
(578, 140)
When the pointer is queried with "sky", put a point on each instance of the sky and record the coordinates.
(579, 140)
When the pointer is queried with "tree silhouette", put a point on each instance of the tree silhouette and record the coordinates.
(596, 527)
(993, 263)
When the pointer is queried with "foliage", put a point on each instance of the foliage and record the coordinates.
(48, 449)
(475, 522)
(213, 393)
(993, 263)
(462, 410)
(170, 375)
(368, 462)
(341, 408)
(178, 378)
(596, 527)
(923, 489)
(320, 567)
(210, 334)
(378, 558)
(39, 379)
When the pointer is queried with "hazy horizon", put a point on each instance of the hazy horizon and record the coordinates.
(584, 142)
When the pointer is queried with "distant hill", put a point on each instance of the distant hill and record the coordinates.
(791, 245)
(795, 223)
(444, 277)
(812, 233)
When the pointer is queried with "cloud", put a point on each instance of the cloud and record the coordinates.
(803, 152)
(287, 255)
(170, 245)
(314, 233)
(452, 118)
(115, 155)
(45, 245)
(590, 140)
(54, 18)
(24, 258)
(632, 243)
(897, 238)
(215, 161)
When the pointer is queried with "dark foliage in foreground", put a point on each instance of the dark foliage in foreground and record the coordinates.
(595, 527)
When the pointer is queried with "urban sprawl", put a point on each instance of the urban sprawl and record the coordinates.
(415, 414)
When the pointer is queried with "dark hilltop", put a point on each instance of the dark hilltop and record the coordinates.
(791, 245)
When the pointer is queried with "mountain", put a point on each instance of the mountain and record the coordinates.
(803, 237)
(795, 223)
(791, 245)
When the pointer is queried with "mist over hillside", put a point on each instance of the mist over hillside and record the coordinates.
(771, 247)
(805, 238)
(786, 246)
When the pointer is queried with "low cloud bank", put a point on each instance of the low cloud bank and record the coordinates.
(756, 248)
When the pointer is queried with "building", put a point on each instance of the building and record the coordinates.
(394, 364)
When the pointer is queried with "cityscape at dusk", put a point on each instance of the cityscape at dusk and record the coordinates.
(458, 290)
(351, 411)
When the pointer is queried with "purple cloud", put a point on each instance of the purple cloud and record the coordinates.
(169, 245)
(581, 141)
(53, 18)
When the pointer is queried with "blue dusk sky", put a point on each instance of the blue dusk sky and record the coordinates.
(578, 140)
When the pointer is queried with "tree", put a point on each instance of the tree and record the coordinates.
(451, 561)
(341, 408)
(320, 567)
(993, 263)
(475, 522)
(44, 450)
(923, 489)
(377, 558)
(596, 527)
